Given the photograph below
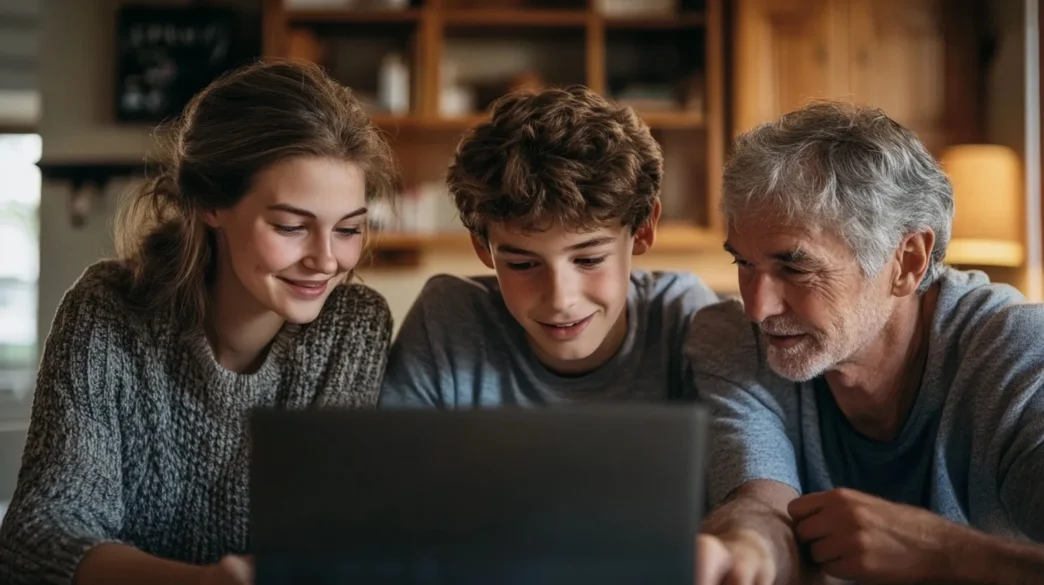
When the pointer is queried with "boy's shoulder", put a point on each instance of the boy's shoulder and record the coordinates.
(450, 290)
(460, 302)
(683, 291)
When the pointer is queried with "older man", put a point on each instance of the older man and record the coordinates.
(874, 409)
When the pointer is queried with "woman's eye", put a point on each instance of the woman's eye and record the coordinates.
(287, 229)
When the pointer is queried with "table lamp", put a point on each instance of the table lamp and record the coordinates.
(988, 214)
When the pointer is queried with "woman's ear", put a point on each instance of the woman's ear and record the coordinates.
(210, 217)
(645, 236)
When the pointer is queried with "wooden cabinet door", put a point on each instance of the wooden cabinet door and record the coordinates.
(897, 62)
(786, 52)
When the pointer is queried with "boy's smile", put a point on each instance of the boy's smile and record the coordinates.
(566, 330)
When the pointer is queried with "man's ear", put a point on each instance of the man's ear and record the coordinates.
(912, 257)
(481, 247)
(646, 234)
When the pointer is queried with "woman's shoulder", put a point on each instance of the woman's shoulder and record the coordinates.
(101, 285)
(99, 296)
(354, 316)
(357, 306)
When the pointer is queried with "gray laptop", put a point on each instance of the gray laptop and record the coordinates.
(577, 495)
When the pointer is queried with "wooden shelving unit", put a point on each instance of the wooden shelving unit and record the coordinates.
(325, 16)
(671, 238)
(568, 42)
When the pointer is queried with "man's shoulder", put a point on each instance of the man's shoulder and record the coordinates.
(988, 347)
(983, 318)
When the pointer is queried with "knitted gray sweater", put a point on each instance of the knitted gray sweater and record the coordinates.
(138, 436)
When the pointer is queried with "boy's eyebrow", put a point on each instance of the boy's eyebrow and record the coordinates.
(305, 213)
(506, 249)
(728, 248)
(592, 243)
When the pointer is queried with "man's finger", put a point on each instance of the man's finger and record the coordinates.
(713, 560)
(805, 506)
(818, 525)
(826, 550)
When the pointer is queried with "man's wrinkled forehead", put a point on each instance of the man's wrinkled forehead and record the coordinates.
(784, 239)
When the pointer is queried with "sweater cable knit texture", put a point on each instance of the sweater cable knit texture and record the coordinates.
(139, 436)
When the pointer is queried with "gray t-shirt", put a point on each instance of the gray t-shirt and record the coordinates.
(459, 347)
(973, 445)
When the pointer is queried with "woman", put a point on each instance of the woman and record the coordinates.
(230, 291)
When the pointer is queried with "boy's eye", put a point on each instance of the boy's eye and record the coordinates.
(520, 266)
(287, 229)
(589, 262)
(741, 263)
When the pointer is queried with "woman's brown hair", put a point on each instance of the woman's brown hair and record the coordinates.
(241, 124)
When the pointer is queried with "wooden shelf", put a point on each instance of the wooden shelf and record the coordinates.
(512, 18)
(673, 22)
(671, 237)
(675, 237)
(323, 16)
(655, 120)
(411, 122)
(680, 120)
(561, 42)
(420, 241)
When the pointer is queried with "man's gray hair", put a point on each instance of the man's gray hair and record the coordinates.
(847, 168)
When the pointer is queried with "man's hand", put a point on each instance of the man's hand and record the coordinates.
(858, 537)
(742, 558)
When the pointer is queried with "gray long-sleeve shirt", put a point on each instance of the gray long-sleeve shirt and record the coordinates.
(971, 449)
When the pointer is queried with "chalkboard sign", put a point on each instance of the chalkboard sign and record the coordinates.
(168, 54)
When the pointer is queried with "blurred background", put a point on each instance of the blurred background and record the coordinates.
(84, 82)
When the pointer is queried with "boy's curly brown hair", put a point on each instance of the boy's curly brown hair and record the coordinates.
(564, 157)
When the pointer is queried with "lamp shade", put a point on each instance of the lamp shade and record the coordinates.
(987, 191)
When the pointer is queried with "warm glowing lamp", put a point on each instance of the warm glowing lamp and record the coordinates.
(987, 222)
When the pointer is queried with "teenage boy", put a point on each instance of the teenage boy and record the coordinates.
(560, 190)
